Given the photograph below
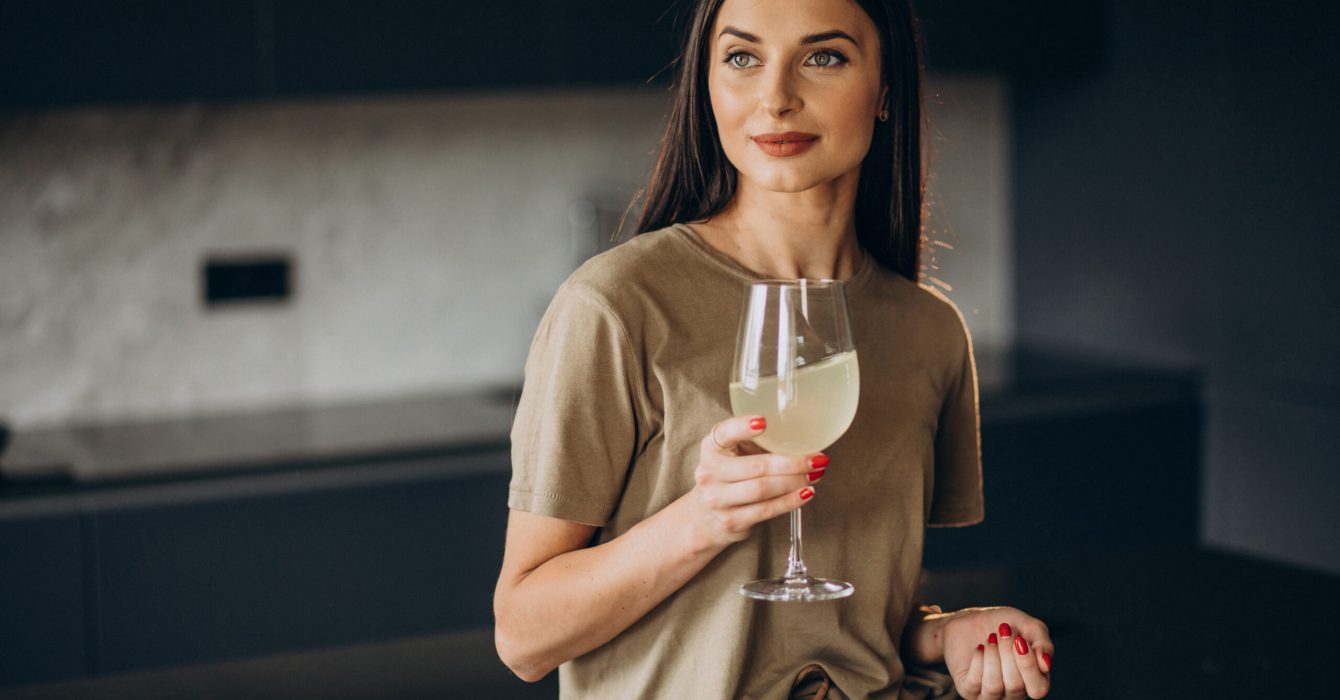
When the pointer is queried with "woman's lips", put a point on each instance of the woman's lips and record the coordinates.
(785, 144)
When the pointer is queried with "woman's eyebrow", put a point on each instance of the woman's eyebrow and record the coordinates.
(830, 34)
(807, 39)
(740, 33)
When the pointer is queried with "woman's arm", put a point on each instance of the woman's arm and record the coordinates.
(923, 636)
(557, 598)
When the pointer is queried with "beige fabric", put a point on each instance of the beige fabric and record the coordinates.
(813, 683)
(629, 370)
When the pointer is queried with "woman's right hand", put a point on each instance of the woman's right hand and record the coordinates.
(738, 484)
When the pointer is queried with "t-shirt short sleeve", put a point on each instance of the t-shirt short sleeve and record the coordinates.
(957, 499)
(576, 426)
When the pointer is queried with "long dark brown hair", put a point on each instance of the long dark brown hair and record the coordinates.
(693, 180)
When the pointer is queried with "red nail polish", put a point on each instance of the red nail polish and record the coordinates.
(992, 639)
(1005, 629)
(981, 648)
(1047, 659)
(1020, 645)
(806, 494)
(758, 423)
(815, 476)
(818, 461)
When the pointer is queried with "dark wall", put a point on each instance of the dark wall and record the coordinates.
(1183, 205)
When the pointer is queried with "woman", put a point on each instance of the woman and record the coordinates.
(793, 150)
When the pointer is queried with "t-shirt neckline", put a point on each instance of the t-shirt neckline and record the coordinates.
(690, 237)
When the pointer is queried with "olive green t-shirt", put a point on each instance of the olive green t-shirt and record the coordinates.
(629, 369)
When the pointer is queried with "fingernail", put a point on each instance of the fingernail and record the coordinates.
(758, 423)
(818, 461)
(1004, 629)
(1020, 645)
(1047, 659)
(991, 639)
(815, 476)
(806, 493)
(981, 648)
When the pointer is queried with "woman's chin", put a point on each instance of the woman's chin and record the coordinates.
(788, 181)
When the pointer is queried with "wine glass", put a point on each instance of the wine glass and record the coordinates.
(796, 367)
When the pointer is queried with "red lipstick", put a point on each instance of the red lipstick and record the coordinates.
(785, 144)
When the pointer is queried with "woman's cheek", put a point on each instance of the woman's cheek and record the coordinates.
(732, 118)
(858, 123)
(730, 109)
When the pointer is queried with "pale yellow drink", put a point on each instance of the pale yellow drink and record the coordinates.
(813, 415)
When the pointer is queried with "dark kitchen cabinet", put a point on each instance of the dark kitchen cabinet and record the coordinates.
(42, 592)
(83, 52)
(63, 52)
(411, 45)
(620, 41)
(163, 574)
(77, 52)
(364, 45)
(292, 561)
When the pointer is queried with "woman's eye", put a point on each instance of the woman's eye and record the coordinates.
(740, 60)
(826, 59)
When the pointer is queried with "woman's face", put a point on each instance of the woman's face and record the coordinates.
(795, 89)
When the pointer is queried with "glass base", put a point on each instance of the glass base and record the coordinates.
(798, 589)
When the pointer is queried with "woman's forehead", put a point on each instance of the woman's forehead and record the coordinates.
(787, 21)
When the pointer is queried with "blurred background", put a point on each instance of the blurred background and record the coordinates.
(269, 270)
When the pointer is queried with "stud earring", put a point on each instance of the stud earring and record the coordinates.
(883, 115)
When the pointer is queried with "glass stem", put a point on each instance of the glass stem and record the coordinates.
(795, 567)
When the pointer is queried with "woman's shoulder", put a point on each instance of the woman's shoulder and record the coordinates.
(924, 304)
(640, 264)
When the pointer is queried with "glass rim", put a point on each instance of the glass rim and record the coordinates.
(800, 281)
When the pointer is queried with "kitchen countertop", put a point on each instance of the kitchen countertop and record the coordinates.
(88, 456)
(1016, 385)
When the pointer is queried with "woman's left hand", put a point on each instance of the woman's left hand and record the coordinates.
(996, 653)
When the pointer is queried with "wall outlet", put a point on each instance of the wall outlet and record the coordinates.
(246, 279)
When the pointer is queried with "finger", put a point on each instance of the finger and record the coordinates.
(993, 685)
(971, 685)
(754, 513)
(758, 466)
(743, 493)
(1035, 681)
(748, 447)
(1009, 670)
(726, 435)
(1040, 643)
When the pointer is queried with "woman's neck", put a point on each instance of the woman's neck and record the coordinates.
(790, 235)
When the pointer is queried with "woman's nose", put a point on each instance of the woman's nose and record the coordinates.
(779, 95)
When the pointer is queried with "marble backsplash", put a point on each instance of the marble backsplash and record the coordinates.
(427, 235)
